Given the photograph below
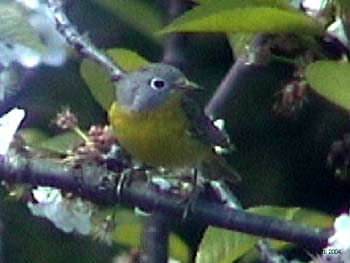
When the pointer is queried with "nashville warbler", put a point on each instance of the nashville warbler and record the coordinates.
(157, 122)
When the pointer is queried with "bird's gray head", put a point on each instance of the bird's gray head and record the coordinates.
(148, 88)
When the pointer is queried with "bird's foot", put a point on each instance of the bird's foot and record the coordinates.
(191, 197)
(189, 202)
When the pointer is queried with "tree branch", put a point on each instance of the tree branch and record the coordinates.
(81, 44)
(156, 232)
(155, 240)
(175, 43)
(225, 93)
(99, 185)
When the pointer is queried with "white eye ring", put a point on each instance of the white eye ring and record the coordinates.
(157, 83)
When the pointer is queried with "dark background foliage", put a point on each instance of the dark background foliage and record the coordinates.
(282, 159)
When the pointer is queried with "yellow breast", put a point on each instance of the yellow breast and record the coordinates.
(159, 137)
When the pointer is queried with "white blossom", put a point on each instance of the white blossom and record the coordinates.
(43, 24)
(341, 238)
(31, 4)
(9, 124)
(9, 80)
(338, 249)
(315, 7)
(337, 30)
(220, 124)
(66, 214)
(50, 47)
(25, 56)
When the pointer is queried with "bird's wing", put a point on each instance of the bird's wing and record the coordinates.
(202, 127)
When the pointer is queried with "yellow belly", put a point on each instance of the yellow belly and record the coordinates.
(159, 137)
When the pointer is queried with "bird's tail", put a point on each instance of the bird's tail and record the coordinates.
(215, 168)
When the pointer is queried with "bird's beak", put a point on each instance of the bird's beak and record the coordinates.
(185, 84)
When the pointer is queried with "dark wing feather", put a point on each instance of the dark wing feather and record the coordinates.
(204, 130)
(203, 127)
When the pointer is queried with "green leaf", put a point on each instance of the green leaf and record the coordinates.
(98, 80)
(224, 246)
(244, 16)
(15, 29)
(129, 230)
(345, 5)
(204, 2)
(99, 83)
(142, 16)
(239, 42)
(33, 136)
(128, 60)
(61, 143)
(178, 249)
(331, 80)
(251, 2)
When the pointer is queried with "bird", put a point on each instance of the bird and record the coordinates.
(156, 119)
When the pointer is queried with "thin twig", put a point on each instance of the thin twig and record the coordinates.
(81, 44)
(98, 185)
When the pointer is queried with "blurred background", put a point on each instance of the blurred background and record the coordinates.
(282, 159)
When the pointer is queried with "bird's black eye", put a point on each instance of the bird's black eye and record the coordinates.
(157, 83)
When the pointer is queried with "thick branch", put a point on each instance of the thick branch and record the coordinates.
(225, 93)
(99, 185)
(156, 232)
(175, 43)
(155, 240)
(81, 44)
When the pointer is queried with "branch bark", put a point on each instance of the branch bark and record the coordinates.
(175, 44)
(99, 185)
(81, 44)
(155, 240)
(225, 93)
